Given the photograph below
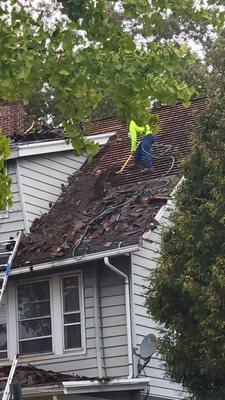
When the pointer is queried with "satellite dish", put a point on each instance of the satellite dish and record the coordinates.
(148, 346)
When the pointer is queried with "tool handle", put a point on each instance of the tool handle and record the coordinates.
(125, 164)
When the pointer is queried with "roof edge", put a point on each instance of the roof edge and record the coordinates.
(73, 387)
(168, 206)
(72, 260)
(51, 146)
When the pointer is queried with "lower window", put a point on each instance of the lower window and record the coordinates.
(71, 312)
(34, 318)
(3, 329)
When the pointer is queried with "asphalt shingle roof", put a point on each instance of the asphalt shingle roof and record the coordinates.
(128, 209)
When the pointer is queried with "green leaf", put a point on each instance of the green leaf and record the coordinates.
(64, 72)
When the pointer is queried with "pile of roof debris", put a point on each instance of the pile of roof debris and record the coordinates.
(115, 216)
(31, 376)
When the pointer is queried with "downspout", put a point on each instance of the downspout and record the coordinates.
(98, 341)
(128, 315)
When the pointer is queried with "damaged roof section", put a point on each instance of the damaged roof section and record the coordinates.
(47, 133)
(101, 210)
(29, 375)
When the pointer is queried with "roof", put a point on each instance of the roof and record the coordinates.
(50, 133)
(29, 375)
(101, 210)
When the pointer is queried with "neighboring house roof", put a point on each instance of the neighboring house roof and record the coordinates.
(31, 376)
(50, 133)
(96, 188)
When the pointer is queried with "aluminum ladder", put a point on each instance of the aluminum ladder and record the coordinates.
(7, 391)
(8, 249)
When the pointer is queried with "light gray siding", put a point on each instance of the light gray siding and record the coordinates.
(11, 221)
(143, 262)
(113, 319)
(41, 179)
(112, 323)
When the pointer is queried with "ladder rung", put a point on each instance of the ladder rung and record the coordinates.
(7, 241)
(5, 253)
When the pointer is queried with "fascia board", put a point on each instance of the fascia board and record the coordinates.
(71, 261)
(79, 387)
(52, 146)
(170, 205)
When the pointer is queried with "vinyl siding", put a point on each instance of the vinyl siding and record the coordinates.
(112, 323)
(113, 319)
(41, 179)
(143, 262)
(13, 222)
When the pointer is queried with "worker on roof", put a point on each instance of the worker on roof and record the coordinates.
(143, 149)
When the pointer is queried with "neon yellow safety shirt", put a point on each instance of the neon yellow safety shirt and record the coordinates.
(134, 130)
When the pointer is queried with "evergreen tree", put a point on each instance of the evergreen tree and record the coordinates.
(187, 290)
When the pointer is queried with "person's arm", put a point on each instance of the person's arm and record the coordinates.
(134, 129)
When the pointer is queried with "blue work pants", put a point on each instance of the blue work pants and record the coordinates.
(144, 151)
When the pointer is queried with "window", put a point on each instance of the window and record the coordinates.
(3, 329)
(71, 312)
(34, 318)
(50, 316)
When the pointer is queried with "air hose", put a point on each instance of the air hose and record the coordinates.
(143, 192)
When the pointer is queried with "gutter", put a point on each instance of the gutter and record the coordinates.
(72, 260)
(52, 146)
(128, 315)
(70, 387)
(73, 387)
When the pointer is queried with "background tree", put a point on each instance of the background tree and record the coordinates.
(91, 53)
(187, 290)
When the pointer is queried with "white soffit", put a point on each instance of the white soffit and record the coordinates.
(52, 146)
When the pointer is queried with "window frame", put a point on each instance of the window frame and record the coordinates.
(18, 340)
(56, 317)
(5, 298)
(81, 310)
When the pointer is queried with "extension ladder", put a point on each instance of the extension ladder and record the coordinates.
(7, 391)
(8, 250)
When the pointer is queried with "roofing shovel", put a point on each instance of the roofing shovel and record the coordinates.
(125, 164)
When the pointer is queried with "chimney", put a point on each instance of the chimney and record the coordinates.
(12, 118)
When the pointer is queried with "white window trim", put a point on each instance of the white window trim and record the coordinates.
(56, 319)
(5, 298)
(81, 297)
(51, 315)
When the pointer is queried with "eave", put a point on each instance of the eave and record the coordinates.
(71, 261)
(52, 146)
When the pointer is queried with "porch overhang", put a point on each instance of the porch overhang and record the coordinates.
(76, 387)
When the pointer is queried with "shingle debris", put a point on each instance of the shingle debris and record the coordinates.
(29, 376)
(76, 224)
(48, 132)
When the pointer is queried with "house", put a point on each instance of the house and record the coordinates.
(75, 302)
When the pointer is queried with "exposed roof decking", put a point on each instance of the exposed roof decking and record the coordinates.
(96, 188)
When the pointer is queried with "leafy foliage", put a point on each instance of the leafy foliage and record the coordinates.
(95, 54)
(187, 290)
